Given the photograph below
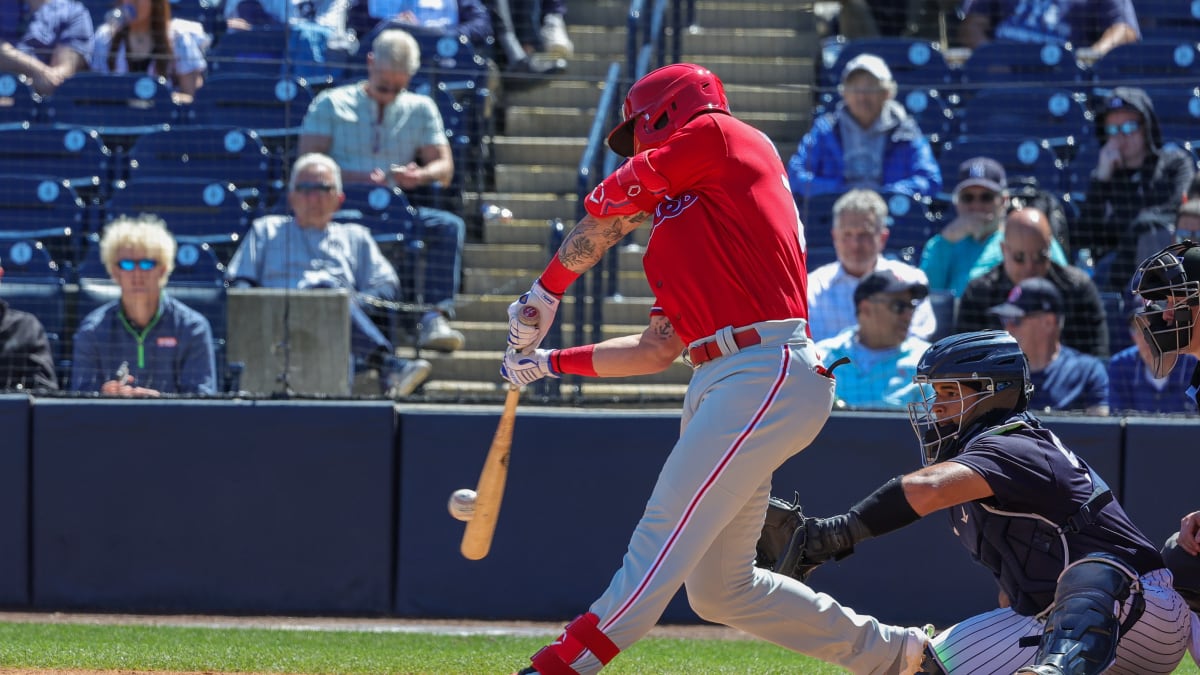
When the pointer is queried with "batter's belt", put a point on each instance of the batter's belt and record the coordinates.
(728, 340)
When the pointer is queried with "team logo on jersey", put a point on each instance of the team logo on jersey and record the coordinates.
(673, 206)
(633, 190)
(167, 341)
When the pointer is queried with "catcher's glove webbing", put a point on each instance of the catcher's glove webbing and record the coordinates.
(783, 519)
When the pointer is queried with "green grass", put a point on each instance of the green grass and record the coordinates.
(74, 646)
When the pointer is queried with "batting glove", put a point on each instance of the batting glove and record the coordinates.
(530, 317)
(522, 369)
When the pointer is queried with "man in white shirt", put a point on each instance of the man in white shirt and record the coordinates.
(859, 234)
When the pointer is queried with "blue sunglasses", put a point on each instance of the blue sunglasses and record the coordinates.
(1125, 128)
(129, 265)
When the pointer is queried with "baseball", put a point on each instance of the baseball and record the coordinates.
(462, 504)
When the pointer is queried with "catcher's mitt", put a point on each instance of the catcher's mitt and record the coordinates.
(794, 544)
(783, 519)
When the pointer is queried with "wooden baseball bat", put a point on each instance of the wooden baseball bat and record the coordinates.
(477, 538)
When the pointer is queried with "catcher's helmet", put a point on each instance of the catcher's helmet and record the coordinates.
(990, 363)
(1168, 286)
(661, 102)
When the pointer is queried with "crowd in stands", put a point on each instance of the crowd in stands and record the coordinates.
(919, 246)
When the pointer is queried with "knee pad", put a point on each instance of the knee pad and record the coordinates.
(582, 633)
(1082, 628)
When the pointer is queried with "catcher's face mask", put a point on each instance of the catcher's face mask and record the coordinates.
(1167, 314)
(946, 409)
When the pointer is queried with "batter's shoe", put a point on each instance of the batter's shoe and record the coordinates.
(1039, 670)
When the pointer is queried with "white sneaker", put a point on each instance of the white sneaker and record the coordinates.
(436, 334)
(555, 40)
(405, 380)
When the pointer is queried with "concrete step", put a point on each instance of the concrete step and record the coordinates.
(766, 42)
(785, 128)
(630, 283)
(550, 150)
(483, 334)
(534, 206)
(484, 366)
(769, 71)
(788, 98)
(530, 232)
(550, 121)
(558, 93)
(494, 306)
(624, 390)
(559, 179)
(734, 14)
(597, 13)
(479, 256)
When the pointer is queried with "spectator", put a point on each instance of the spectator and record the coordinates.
(1097, 25)
(883, 355)
(145, 343)
(147, 40)
(468, 18)
(377, 123)
(309, 250)
(25, 358)
(1135, 189)
(970, 244)
(319, 38)
(1187, 221)
(1132, 386)
(859, 234)
(57, 42)
(869, 141)
(1063, 379)
(517, 38)
(1026, 245)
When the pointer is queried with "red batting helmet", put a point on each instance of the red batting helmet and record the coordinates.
(663, 101)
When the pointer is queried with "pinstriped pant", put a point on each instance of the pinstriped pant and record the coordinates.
(987, 643)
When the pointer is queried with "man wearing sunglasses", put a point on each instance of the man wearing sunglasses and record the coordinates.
(381, 133)
(310, 250)
(883, 355)
(26, 362)
(1135, 190)
(145, 343)
(1026, 245)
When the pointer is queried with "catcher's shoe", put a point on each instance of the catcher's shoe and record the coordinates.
(1039, 670)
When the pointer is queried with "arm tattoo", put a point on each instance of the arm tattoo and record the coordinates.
(586, 244)
(661, 327)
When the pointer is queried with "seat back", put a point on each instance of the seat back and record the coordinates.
(1178, 110)
(18, 103)
(1149, 63)
(196, 265)
(222, 154)
(117, 100)
(944, 305)
(195, 211)
(252, 101)
(816, 212)
(1003, 63)
(1176, 20)
(1029, 157)
(1036, 112)
(913, 62)
(73, 153)
(44, 209)
(1117, 320)
(910, 225)
(262, 51)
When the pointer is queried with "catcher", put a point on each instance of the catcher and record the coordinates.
(1064, 553)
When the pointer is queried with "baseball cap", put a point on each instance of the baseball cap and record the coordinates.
(982, 172)
(1035, 294)
(887, 282)
(870, 63)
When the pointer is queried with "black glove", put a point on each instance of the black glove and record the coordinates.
(817, 540)
(783, 518)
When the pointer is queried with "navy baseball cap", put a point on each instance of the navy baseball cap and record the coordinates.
(1035, 294)
(982, 172)
(887, 282)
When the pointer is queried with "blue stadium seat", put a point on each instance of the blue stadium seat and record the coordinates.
(44, 209)
(944, 303)
(72, 153)
(816, 212)
(913, 62)
(198, 281)
(262, 51)
(387, 212)
(1177, 20)
(195, 211)
(819, 256)
(208, 13)
(1149, 64)
(1006, 63)
(273, 107)
(1178, 110)
(197, 265)
(932, 113)
(206, 154)
(112, 101)
(1024, 112)
(18, 103)
(910, 225)
(32, 283)
(1117, 321)
(1020, 157)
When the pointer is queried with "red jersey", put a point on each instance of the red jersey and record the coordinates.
(727, 246)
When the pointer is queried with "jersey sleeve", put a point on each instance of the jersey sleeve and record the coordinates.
(690, 154)
(1015, 475)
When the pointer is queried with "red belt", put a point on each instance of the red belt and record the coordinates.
(711, 349)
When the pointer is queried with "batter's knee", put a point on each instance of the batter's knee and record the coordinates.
(715, 599)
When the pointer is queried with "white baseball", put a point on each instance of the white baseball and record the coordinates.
(462, 504)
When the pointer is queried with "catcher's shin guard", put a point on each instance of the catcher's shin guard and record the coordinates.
(1082, 630)
(582, 633)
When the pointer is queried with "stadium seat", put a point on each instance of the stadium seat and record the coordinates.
(816, 212)
(206, 154)
(944, 304)
(913, 62)
(1117, 321)
(195, 211)
(819, 256)
(1178, 110)
(45, 209)
(32, 283)
(18, 103)
(112, 102)
(932, 113)
(1030, 157)
(910, 225)
(1149, 64)
(1177, 20)
(197, 265)
(75, 154)
(387, 212)
(1005, 64)
(208, 13)
(1024, 112)
(273, 107)
(262, 51)
(198, 281)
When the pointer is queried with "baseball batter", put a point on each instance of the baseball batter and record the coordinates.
(1082, 591)
(726, 262)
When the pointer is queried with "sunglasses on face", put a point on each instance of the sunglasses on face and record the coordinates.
(1038, 258)
(1123, 129)
(898, 306)
(129, 264)
(981, 197)
(313, 187)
